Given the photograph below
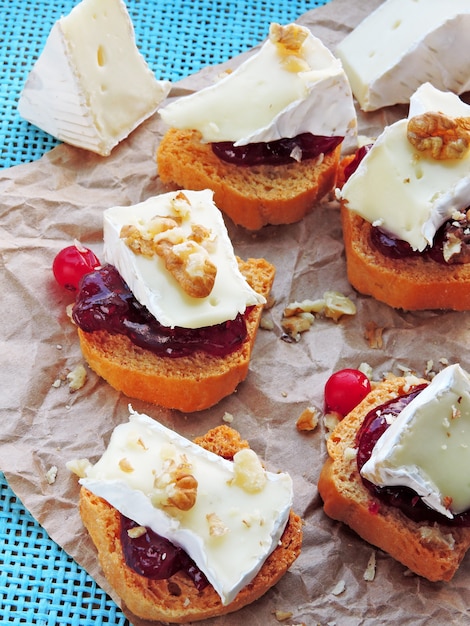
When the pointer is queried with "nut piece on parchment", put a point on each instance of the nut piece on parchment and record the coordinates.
(298, 317)
(439, 136)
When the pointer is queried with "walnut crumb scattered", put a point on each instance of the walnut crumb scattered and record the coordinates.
(216, 526)
(298, 317)
(51, 475)
(227, 418)
(77, 378)
(282, 616)
(136, 532)
(308, 419)
(373, 335)
(339, 588)
(79, 467)
(369, 573)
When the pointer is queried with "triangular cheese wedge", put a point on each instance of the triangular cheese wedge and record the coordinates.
(91, 87)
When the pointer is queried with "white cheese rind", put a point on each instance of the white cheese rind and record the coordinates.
(408, 195)
(254, 521)
(263, 101)
(427, 447)
(151, 283)
(404, 43)
(91, 87)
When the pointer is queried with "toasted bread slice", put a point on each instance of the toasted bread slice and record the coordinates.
(431, 550)
(251, 196)
(176, 600)
(188, 383)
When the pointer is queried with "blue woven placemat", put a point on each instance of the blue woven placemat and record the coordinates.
(177, 38)
(39, 584)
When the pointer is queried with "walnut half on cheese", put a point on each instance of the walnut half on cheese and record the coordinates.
(91, 87)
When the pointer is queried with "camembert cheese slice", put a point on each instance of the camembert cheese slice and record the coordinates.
(405, 43)
(91, 87)
(229, 523)
(405, 193)
(292, 85)
(427, 447)
(147, 275)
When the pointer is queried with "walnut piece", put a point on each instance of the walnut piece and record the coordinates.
(77, 378)
(438, 136)
(186, 256)
(176, 486)
(216, 526)
(289, 40)
(248, 472)
(373, 335)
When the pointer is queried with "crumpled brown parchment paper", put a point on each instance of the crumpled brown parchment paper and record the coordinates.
(45, 205)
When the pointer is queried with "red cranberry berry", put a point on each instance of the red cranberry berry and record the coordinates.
(73, 262)
(344, 390)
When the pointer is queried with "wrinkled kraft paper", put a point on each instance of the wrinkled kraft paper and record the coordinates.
(46, 204)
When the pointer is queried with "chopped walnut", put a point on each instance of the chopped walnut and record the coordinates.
(186, 257)
(79, 467)
(282, 616)
(298, 317)
(369, 573)
(125, 466)
(438, 136)
(136, 532)
(51, 474)
(176, 486)
(77, 378)
(248, 472)
(289, 41)
(216, 527)
(308, 419)
(373, 335)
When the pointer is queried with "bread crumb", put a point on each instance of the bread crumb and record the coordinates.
(77, 378)
(339, 588)
(369, 573)
(281, 616)
(308, 419)
(51, 474)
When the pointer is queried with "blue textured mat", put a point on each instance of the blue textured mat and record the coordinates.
(39, 584)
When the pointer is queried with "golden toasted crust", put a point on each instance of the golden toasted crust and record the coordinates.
(251, 196)
(433, 551)
(176, 600)
(410, 284)
(188, 383)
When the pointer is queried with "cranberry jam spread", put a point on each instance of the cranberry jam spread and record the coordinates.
(105, 302)
(280, 152)
(374, 425)
(155, 557)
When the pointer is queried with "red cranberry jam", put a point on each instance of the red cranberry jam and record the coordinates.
(105, 302)
(375, 424)
(280, 152)
(155, 557)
